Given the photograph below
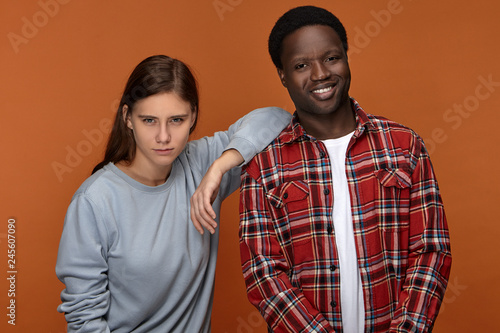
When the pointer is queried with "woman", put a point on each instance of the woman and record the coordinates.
(129, 255)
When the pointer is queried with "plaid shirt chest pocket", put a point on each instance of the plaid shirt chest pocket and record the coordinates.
(392, 190)
(398, 178)
(291, 213)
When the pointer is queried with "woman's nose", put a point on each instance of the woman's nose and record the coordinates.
(163, 135)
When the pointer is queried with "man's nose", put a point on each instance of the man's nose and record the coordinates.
(319, 71)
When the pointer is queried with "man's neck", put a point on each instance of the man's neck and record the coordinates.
(330, 126)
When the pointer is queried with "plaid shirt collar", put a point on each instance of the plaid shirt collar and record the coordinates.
(295, 131)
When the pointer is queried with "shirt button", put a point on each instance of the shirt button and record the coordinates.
(333, 267)
(329, 229)
(285, 195)
(333, 303)
(322, 154)
(326, 191)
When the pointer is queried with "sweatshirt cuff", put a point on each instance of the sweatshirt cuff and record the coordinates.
(246, 148)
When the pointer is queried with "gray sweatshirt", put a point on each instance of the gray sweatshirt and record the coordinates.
(129, 254)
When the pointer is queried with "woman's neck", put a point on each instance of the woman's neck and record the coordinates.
(145, 174)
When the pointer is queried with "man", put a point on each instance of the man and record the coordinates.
(342, 225)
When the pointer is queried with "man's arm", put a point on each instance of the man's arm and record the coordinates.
(283, 306)
(429, 252)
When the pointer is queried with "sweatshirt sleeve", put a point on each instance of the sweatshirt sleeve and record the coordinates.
(82, 267)
(252, 133)
(249, 135)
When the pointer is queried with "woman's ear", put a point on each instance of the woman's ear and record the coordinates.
(193, 118)
(126, 116)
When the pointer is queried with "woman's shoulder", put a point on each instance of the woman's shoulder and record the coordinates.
(101, 183)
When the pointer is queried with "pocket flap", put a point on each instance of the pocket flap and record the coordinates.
(394, 177)
(288, 192)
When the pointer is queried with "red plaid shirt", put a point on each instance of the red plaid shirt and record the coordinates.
(288, 253)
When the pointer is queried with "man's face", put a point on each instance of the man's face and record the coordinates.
(315, 71)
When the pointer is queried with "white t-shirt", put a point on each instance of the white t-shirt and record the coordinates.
(351, 290)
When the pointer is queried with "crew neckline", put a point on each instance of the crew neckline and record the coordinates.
(140, 186)
(340, 140)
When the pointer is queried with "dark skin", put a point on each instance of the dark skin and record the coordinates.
(317, 76)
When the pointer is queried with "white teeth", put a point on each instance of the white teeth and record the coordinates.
(322, 90)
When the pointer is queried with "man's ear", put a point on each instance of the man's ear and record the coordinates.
(282, 77)
(126, 116)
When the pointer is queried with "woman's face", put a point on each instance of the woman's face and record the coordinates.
(160, 124)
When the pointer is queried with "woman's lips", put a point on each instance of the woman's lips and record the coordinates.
(165, 151)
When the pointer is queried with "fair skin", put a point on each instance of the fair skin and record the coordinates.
(161, 124)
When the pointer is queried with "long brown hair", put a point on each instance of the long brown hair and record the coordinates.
(156, 74)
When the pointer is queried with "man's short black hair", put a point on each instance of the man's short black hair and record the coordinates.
(297, 18)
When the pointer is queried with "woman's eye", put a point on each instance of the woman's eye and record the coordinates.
(148, 120)
(177, 120)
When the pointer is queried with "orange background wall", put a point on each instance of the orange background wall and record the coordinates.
(431, 65)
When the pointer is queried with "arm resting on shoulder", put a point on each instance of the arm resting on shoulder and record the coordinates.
(245, 138)
(202, 213)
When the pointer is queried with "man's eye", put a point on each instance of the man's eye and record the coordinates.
(300, 66)
(333, 58)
